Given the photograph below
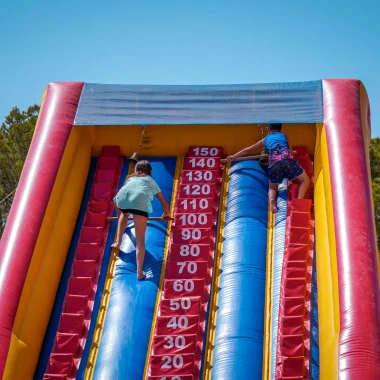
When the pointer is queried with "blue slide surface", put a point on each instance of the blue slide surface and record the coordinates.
(238, 352)
(126, 332)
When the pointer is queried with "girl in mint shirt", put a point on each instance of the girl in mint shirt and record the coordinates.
(135, 198)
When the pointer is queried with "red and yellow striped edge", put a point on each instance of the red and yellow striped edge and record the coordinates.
(213, 307)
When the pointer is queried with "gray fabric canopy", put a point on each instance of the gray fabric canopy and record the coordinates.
(104, 104)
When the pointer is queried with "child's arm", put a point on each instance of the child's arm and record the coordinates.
(290, 147)
(166, 215)
(246, 151)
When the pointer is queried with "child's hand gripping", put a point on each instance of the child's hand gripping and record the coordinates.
(166, 216)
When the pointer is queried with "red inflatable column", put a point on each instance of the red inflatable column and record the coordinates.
(36, 183)
(359, 299)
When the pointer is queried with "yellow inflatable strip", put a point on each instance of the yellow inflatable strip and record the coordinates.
(48, 259)
(101, 316)
(268, 300)
(177, 174)
(210, 333)
(325, 250)
(103, 308)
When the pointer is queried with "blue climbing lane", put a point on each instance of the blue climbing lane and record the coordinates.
(240, 318)
(126, 331)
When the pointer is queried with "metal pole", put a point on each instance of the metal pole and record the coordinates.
(150, 218)
(223, 161)
(142, 137)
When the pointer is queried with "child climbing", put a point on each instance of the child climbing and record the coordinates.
(135, 198)
(281, 163)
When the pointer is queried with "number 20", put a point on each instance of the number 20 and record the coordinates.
(177, 362)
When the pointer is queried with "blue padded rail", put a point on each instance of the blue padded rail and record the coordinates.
(278, 257)
(126, 332)
(238, 348)
(109, 104)
(55, 316)
(314, 327)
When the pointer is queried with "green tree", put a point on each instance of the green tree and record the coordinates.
(374, 155)
(16, 133)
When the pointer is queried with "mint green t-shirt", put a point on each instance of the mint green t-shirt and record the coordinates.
(137, 194)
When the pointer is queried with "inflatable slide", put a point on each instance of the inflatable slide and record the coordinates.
(233, 291)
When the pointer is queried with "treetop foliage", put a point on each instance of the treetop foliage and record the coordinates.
(16, 133)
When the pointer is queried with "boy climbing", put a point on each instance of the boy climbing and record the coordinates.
(281, 163)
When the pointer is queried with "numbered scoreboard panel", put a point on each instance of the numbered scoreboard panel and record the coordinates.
(180, 326)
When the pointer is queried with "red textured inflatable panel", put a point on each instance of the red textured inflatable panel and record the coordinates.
(71, 324)
(87, 251)
(200, 176)
(202, 163)
(67, 343)
(75, 304)
(174, 344)
(187, 270)
(108, 163)
(61, 363)
(195, 220)
(205, 151)
(184, 288)
(105, 176)
(197, 190)
(189, 205)
(192, 236)
(193, 252)
(177, 324)
(171, 365)
(180, 306)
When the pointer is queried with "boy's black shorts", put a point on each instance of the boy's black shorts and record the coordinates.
(133, 212)
(286, 168)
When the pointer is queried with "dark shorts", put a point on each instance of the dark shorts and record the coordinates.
(286, 168)
(133, 212)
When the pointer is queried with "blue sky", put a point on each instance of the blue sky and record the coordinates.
(186, 42)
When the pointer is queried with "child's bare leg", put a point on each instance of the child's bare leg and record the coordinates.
(272, 195)
(140, 228)
(304, 185)
(121, 225)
